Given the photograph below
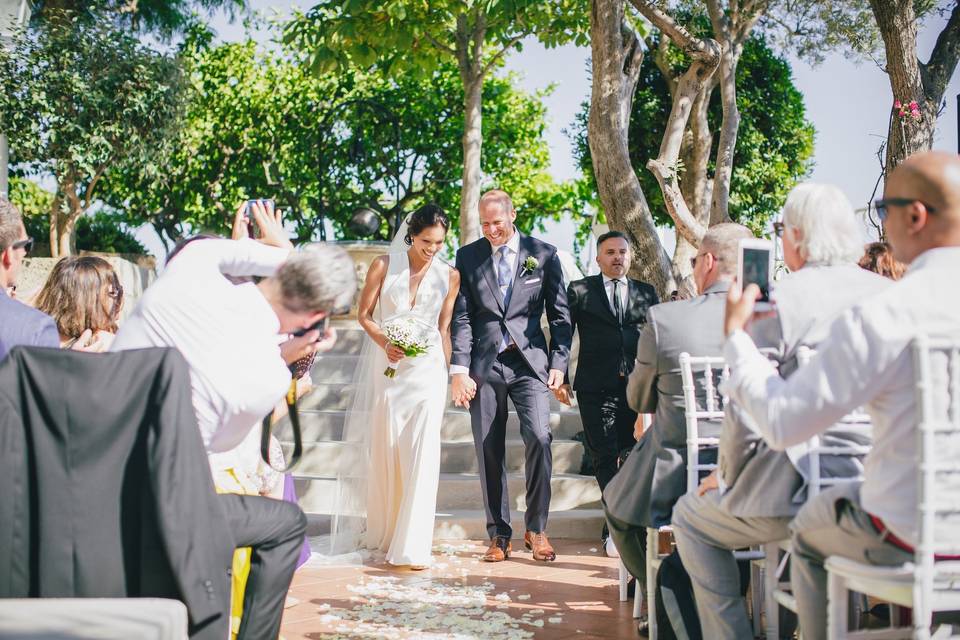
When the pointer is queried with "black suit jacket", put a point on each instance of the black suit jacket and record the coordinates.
(605, 342)
(106, 486)
(480, 314)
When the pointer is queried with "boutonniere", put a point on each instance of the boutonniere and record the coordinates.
(530, 265)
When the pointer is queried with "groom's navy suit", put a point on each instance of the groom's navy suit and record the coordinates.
(484, 322)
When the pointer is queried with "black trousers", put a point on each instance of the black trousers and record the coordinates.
(608, 430)
(274, 529)
(511, 377)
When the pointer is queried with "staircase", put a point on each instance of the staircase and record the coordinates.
(575, 510)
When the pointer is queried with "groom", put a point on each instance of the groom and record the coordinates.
(499, 351)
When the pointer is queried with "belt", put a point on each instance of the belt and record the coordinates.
(889, 536)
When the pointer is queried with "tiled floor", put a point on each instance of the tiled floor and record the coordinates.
(575, 597)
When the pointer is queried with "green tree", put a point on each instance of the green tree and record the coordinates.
(411, 36)
(775, 140)
(99, 232)
(81, 97)
(261, 125)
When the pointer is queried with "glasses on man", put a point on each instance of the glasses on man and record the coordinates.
(778, 228)
(882, 204)
(693, 260)
(26, 245)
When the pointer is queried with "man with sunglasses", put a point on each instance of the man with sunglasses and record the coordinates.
(19, 323)
(865, 361)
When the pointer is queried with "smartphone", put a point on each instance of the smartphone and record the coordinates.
(252, 229)
(755, 265)
(321, 325)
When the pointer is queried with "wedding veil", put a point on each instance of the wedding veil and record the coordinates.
(348, 522)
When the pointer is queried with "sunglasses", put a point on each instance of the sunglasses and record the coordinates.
(778, 228)
(882, 204)
(26, 245)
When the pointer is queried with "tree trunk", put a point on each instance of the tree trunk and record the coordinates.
(616, 56)
(731, 26)
(472, 144)
(469, 52)
(730, 126)
(705, 57)
(911, 80)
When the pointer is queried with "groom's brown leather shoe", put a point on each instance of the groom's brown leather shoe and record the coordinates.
(541, 547)
(499, 550)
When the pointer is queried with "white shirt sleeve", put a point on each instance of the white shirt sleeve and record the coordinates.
(459, 368)
(244, 257)
(788, 412)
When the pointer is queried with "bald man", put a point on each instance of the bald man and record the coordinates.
(866, 361)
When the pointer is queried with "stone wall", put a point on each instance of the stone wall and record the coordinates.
(136, 273)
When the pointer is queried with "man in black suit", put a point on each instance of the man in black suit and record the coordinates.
(608, 310)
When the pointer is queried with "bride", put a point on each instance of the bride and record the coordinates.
(400, 417)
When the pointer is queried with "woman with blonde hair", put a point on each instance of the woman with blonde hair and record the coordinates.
(84, 297)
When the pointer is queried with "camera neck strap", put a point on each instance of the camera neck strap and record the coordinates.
(294, 422)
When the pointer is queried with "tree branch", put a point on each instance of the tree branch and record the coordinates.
(88, 194)
(493, 61)
(943, 61)
(443, 48)
(700, 49)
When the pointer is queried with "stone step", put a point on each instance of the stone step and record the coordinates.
(326, 423)
(461, 491)
(471, 525)
(326, 459)
(350, 339)
(339, 395)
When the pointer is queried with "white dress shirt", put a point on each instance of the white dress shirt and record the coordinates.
(226, 332)
(865, 361)
(512, 253)
(621, 291)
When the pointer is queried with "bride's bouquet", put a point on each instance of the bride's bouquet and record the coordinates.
(409, 335)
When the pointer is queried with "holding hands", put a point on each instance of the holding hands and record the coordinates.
(463, 389)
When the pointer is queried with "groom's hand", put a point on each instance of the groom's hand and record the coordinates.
(563, 394)
(463, 389)
(555, 379)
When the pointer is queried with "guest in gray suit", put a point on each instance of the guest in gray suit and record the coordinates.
(764, 488)
(643, 492)
(19, 324)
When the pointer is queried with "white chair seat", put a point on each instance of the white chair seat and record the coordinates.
(890, 584)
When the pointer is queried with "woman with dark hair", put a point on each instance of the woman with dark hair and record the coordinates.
(84, 296)
(878, 258)
(399, 406)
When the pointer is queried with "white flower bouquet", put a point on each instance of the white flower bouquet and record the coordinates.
(410, 336)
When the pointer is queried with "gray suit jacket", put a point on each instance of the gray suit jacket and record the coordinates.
(24, 325)
(654, 477)
(761, 482)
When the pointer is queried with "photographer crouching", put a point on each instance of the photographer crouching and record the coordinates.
(227, 330)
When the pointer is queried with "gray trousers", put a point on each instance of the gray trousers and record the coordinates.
(511, 377)
(631, 543)
(832, 524)
(706, 536)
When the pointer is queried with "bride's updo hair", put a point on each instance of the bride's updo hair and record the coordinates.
(429, 215)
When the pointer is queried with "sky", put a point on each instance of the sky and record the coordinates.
(847, 102)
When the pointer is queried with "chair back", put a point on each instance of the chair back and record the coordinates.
(937, 375)
(817, 482)
(711, 371)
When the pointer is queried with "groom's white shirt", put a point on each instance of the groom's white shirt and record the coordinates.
(513, 250)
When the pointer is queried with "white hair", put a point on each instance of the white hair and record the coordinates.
(829, 233)
(318, 277)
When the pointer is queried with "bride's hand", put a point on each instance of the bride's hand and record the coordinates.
(394, 353)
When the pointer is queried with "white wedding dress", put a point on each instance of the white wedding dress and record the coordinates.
(405, 415)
